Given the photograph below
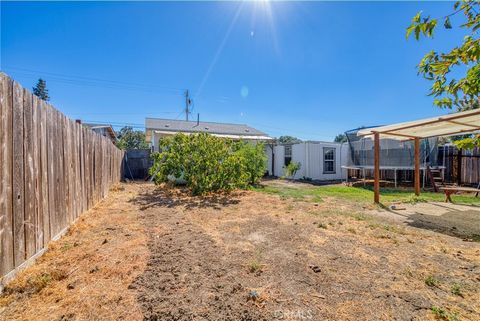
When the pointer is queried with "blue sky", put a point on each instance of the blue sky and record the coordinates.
(307, 69)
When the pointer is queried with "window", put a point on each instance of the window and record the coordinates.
(329, 160)
(288, 154)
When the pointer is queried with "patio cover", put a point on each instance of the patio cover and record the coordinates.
(448, 125)
(451, 124)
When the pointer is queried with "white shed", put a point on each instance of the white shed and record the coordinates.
(319, 160)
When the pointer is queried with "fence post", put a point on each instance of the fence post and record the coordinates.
(459, 167)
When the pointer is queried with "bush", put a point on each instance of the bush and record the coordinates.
(291, 169)
(207, 163)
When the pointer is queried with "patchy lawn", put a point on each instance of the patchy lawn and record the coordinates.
(304, 191)
(157, 254)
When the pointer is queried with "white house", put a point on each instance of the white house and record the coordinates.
(156, 128)
(319, 160)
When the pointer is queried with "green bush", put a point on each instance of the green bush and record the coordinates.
(291, 169)
(207, 163)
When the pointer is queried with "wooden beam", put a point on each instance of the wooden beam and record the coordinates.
(463, 124)
(400, 135)
(417, 166)
(464, 131)
(376, 168)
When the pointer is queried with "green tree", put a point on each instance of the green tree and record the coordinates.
(468, 142)
(207, 163)
(438, 67)
(288, 140)
(40, 90)
(340, 138)
(131, 139)
(254, 159)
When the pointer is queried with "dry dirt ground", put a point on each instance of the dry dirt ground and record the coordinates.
(158, 254)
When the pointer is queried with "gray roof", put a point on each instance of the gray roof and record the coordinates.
(99, 127)
(201, 127)
(91, 125)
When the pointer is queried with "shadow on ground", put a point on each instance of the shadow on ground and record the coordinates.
(464, 224)
(187, 276)
(174, 197)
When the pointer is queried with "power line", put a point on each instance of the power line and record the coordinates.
(142, 126)
(108, 114)
(98, 82)
(113, 84)
(115, 124)
(91, 80)
(72, 81)
(179, 114)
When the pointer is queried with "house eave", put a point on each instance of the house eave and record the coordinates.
(223, 135)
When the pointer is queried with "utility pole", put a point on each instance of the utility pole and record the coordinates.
(188, 102)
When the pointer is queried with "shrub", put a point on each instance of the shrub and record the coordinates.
(456, 289)
(291, 169)
(442, 314)
(321, 225)
(255, 266)
(254, 159)
(431, 281)
(207, 163)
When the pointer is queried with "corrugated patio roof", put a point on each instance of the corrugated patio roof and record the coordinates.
(448, 125)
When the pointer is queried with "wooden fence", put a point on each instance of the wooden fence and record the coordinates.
(51, 170)
(461, 166)
(137, 163)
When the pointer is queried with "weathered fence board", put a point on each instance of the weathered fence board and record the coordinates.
(18, 176)
(29, 206)
(6, 163)
(51, 179)
(51, 170)
(44, 173)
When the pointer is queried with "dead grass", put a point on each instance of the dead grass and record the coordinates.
(82, 277)
(153, 253)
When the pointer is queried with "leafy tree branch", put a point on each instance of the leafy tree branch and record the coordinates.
(437, 66)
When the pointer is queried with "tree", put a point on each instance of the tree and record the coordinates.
(439, 67)
(40, 90)
(340, 138)
(131, 139)
(207, 163)
(288, 140)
